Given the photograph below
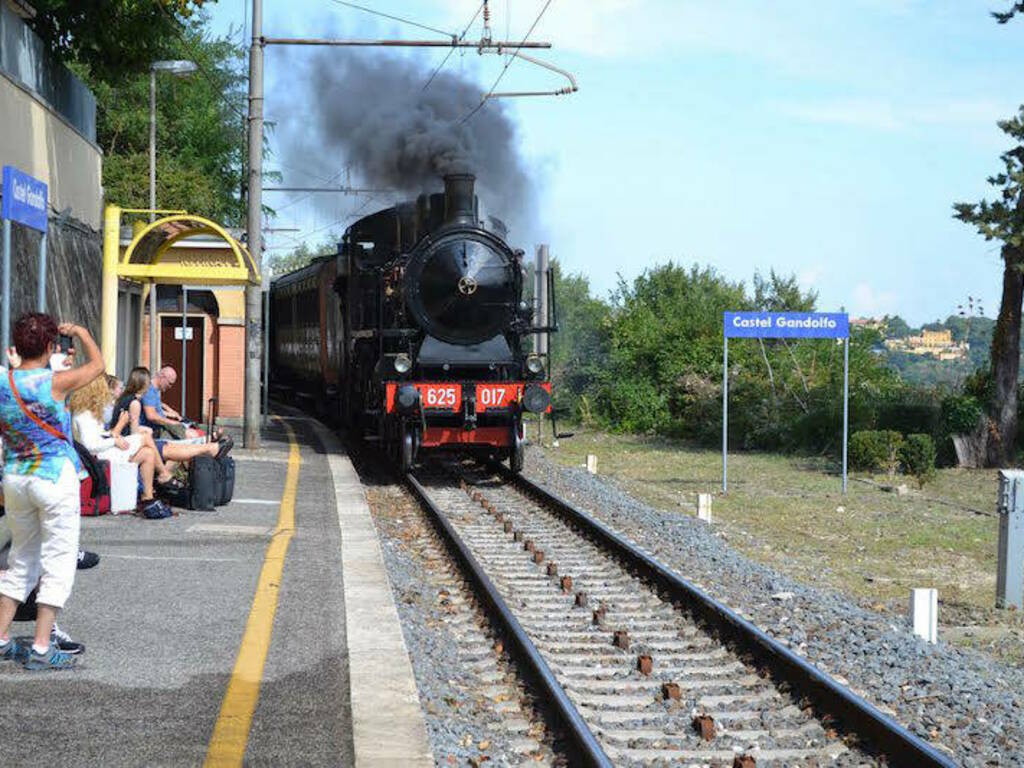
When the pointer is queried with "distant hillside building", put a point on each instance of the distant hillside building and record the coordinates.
(938, 344)
(869, 323)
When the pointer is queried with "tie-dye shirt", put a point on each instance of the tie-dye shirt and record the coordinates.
(28, 448)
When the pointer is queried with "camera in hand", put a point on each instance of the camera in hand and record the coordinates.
(65, 343)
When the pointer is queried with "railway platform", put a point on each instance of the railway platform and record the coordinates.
(262, 633)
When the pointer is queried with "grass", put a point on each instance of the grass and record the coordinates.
(789, 512)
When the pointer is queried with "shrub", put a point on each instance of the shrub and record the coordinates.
(960, 414)
(918, 456)
(876, 450)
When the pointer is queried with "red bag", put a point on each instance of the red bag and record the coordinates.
(93, 506)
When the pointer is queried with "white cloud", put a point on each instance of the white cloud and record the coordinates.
(869, 302)
(887, 116)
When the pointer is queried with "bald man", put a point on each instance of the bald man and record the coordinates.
(158, 416)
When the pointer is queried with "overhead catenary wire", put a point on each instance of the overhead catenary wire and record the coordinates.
(448, 55)
(394, 18)
(508, 64)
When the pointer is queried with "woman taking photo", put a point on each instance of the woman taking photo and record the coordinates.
(41, 482)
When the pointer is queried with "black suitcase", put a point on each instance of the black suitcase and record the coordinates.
(227, 479)
(204, 486)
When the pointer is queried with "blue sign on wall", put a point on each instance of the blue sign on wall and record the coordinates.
(787, 325)
(24, 199)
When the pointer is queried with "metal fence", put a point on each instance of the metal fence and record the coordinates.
(25, 59)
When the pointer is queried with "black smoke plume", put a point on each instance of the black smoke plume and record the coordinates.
(373, 112)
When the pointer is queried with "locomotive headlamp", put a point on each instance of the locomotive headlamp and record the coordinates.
(403, 363)
(534, 364)
(536, 399)
(407, 398)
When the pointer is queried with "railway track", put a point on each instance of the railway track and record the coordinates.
(638, 666)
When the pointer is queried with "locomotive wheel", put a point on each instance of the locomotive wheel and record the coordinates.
(517, 451)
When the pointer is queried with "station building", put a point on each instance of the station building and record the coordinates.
(48, 130)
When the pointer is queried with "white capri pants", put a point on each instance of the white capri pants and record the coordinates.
(44, 518)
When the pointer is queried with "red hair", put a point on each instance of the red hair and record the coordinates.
(33, 333)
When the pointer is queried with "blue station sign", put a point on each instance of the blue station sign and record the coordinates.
(24, 199)
(787, 325)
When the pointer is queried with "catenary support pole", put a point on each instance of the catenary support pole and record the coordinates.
(5, 288)
(184, 348)
(725, 416)
(152, 143)
(543, 320)
(253, 293)
(41, 287)
(265, 410)
(846, 406)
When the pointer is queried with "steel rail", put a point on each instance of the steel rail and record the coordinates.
(587, 749)
(877, 730)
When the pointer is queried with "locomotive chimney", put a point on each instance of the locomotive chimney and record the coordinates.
(459, 199)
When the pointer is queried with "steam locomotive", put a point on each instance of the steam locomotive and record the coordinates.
(413, 333)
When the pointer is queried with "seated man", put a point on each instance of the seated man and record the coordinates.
(161, 417)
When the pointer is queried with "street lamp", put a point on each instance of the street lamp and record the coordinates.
(177, 68)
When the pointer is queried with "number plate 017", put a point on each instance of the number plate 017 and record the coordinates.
(446, 396)
(496, 396)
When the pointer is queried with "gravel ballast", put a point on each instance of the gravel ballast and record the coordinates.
(475, 708)
(962, 701)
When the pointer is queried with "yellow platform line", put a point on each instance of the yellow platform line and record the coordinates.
(231, 733)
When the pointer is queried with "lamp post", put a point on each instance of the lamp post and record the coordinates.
(179, 69)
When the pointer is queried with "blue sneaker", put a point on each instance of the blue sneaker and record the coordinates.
(54, 658)
(10, 651)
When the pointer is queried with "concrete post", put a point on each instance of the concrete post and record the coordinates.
(704, 507)
(591, 463)
(108, 307)
(253, 294)
(924, 614)
(1010, 568)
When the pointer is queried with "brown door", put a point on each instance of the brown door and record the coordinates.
(170, 354)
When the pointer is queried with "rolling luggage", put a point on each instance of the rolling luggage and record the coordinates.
(227, 478)
(95, 489)
(204, 483)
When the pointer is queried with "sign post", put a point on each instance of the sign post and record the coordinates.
(784, 325)
(24, 201)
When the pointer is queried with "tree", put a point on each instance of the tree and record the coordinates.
(200, 128)
(579, 351)
(1004, 16)
(1003, 220)
(299, 257)
(111, 37)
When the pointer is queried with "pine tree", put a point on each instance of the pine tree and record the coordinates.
(1002, 220)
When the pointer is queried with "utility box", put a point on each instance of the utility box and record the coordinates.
(1010, 572)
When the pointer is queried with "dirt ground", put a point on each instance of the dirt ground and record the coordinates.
(790, 513)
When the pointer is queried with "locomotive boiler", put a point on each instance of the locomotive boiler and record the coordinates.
(414, 334)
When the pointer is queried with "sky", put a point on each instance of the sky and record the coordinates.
(823, 139)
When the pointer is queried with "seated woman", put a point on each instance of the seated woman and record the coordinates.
(87, 406)
(169, 451)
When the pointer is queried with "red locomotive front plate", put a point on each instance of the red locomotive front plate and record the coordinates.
(447, 396)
